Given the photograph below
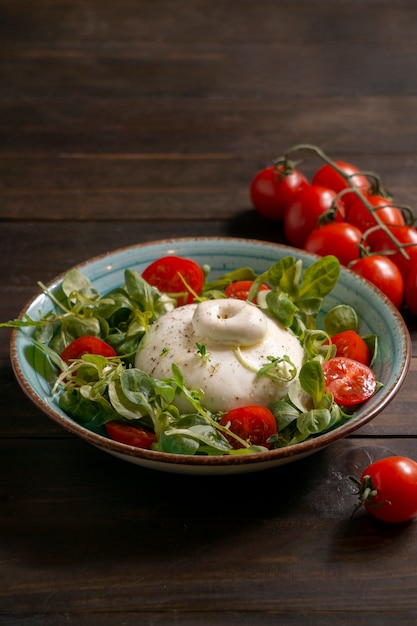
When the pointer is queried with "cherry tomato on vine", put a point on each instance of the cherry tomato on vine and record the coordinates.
(380, 242)
(270, 192)
(411, 290)
(349, 381)
(177, 276)
(303, 212)
(384, 274)
(130, 435)
(388, 489)
(87, 344)
(359, 215)
(327, 176)
(337, 238)
(254, 424)
(240, 289)
(350, 344)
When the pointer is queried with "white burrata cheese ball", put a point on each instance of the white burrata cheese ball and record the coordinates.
(219, 345)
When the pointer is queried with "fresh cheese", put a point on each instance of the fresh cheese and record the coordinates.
(219, 346)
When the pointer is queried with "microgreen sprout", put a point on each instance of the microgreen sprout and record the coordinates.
(202, 352)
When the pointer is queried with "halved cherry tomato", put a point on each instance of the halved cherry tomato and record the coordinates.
(380, 242)
(327, 176)
(177, 276)
(384, 274)
(240, 289)
(351, 345)
(388, 489)
(270, 192)
(349, 381)
(304, 210)
(255, 424)
(130, 435)
(359, 215)
(86, 345)
(337, 238)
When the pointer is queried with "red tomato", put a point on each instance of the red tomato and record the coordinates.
(270, 192)
(388, 489)
(130, 435)
(327, 176)
(379, 241)
(349, 381)
(240, 289)
(254, 424)
(86, 345)
(411, 289)
(337, 238)
(303, 212)
(359, 215)
(176, 275)
(384, 274)
(351, 345)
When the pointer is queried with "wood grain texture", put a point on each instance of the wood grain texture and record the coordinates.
(127, 122)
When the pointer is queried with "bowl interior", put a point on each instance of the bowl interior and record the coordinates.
(376, 315)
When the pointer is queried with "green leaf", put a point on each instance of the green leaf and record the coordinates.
(278, 273)
(123, 405)
(243, 273)
(281, 307)
(74, 282)
(310, 307)
(372, 343)
(341, 317)
(84, 411)
(192, 433)
(285, 413)
(316, 343)
(248, 450)
(312, 380)
(314, 422)
(320, 278)
(177, 443)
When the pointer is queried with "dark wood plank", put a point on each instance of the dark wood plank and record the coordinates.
(191, 160)
(113, 117)
(63, 510)
(96, 24)
(40, 251)
(210, 71)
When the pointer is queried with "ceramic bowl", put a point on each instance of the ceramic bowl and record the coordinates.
(376, 315)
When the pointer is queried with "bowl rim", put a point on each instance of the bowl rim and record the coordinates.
(275, 455)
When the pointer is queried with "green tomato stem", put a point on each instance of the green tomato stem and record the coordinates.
(324, 157)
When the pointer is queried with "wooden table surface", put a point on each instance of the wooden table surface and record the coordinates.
(125, 122)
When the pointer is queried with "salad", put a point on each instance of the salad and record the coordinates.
(94, 342)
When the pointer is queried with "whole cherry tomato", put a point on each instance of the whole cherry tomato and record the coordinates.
(271, 191)
(181, 278)
(380, 242)
(337, 238)
(254, 424)
(388, 489)
(87, 344)
(359, 215)
(240, 289)
(327, 176)
(130, 435)
(411, 289)
(303, 212)
(349, 381)
(384, 274)
(351, 345)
